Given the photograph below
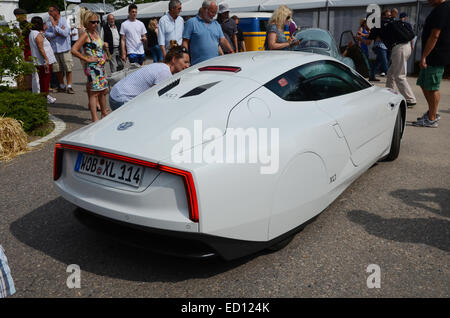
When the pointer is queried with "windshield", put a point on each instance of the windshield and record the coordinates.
(313, 44)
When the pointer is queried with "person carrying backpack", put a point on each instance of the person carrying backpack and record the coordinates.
(396, 35)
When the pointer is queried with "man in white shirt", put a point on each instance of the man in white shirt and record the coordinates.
(134, 37)
(171, 26)
(73, 33)
(111, 37)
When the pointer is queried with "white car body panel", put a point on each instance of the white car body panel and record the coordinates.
(324, 146)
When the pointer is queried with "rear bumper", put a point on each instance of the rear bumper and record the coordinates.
(173, 243)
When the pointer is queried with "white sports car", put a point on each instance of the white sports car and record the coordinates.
(230, 156)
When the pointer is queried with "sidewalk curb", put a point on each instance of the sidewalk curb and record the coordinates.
(60, 126)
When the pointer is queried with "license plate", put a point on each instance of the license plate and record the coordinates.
(110, 169)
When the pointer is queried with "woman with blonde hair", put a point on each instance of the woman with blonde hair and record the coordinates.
(152, 36)
(275, 38)
(94, 58)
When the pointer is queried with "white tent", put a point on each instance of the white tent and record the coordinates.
(365, 3)
(122, 13)
(190, 7)
(243, 5)
(271, 5)
(155, 9)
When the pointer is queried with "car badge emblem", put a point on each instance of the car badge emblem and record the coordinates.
(125, 125)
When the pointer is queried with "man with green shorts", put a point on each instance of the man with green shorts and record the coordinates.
(435, 56)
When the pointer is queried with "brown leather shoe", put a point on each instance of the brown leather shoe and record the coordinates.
(70, 90)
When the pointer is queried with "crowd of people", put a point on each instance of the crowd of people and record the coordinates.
(54, 42)
(393, 51)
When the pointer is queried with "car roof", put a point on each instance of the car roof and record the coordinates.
(260, 66)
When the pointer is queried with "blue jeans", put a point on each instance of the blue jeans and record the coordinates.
(156, 53)
(113, 104)
(381, 62)
(136, 58)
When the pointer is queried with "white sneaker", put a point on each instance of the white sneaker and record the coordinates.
(383, 74)
(50, 99)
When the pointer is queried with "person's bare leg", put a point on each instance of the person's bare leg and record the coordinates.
(60, 77)
(427, 96)
(433, 105)
(93, 98)
(102, 101)
(69, 78)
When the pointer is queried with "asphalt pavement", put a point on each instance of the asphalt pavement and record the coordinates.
(396, 216)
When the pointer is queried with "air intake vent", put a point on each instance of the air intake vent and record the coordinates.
(198, 90)
(168, 87)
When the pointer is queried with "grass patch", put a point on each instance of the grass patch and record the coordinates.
(41, 131)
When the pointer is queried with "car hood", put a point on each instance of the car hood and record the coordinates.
(146, 126)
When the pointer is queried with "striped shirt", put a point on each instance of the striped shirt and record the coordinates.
(6, 281)
(139, 81)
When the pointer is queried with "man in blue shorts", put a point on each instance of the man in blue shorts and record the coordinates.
(202, 35)
(435, 56)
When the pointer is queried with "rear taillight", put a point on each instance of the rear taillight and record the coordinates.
(189, 184)
(57, 161)
(233, 69)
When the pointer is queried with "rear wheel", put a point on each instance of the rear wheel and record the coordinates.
(396, 139)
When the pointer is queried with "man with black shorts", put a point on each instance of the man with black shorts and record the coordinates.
(435, 56)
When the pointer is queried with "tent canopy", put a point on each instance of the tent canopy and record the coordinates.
(270, 5)
(190, 7)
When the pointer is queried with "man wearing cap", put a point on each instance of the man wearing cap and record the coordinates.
(202, 35)
(171, 27)
(229, 27)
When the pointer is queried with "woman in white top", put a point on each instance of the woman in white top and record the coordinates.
(43, 56)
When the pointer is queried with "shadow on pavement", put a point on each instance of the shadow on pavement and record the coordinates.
(420, 198)
(74, 119)
(431, 231)
(69, 106)
(54, 230)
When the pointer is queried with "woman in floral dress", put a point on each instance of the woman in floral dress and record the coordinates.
(94, 59)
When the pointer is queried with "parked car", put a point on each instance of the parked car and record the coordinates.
(319, 125)
(321, 42)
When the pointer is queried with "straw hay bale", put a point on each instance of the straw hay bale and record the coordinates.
(13, 139)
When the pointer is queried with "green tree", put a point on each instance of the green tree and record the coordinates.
(12, 62)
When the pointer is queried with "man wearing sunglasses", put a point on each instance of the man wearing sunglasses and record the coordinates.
(134, 36)
(58, 33)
